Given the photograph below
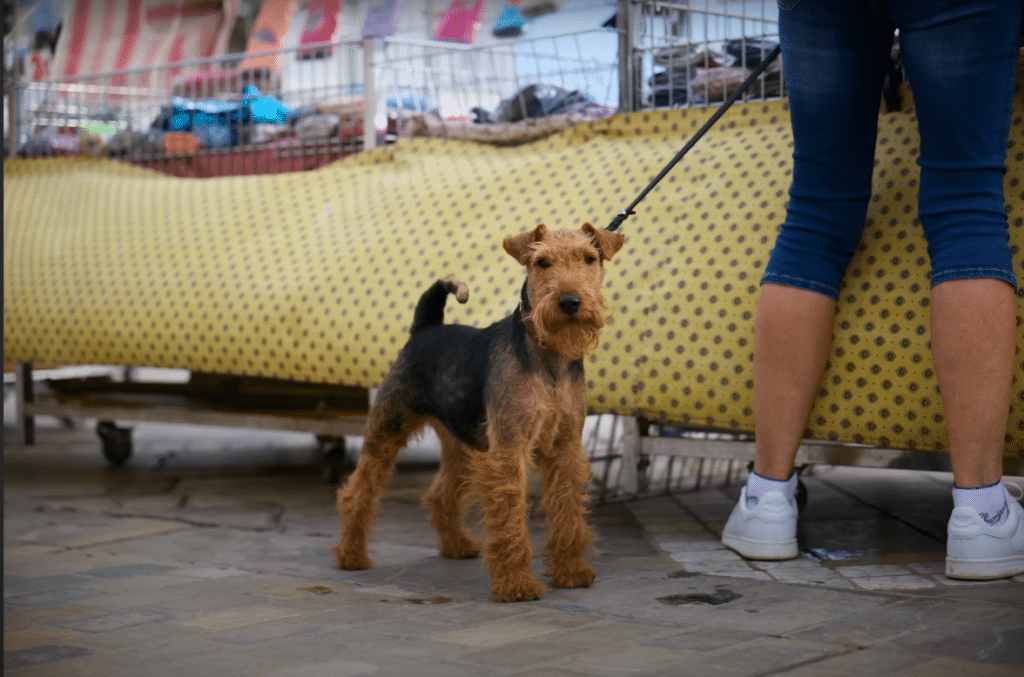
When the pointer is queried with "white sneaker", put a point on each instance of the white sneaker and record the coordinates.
(977, 551)
(765, 531)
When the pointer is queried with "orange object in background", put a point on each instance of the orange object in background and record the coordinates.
(269, 34)
(181, 142)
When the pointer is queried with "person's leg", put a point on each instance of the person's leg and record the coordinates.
(974, 332)
(961, 61)
(792, 338)
(835, 55)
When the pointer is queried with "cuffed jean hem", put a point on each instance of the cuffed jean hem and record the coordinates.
(973, 273)
(802, 283)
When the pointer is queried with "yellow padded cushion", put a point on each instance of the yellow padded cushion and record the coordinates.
(313, 276)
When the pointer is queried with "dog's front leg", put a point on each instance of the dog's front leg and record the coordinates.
(501, 476)
(566, 473)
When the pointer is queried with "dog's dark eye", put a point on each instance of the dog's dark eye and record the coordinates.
(543, 263)
(589, 259)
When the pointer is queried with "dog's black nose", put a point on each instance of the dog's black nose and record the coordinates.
(569, 304)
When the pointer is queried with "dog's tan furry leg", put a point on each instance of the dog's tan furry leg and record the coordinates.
(387, 432)
(566, 473)
(446, 498)
(501, 475)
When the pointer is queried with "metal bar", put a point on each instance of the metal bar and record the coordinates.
(369, 96)
(24, 398)
(168, 413)
(669, 4)
(814, 452)
(623, 22)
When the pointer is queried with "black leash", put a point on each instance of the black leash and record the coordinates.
(628, 211)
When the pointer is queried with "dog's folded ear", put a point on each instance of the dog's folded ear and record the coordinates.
(520, 247)
(606, 241)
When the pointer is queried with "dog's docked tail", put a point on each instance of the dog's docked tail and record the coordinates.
(430, 309)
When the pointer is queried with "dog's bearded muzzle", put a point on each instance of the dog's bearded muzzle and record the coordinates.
(570, 327)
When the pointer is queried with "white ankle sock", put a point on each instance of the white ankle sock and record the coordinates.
(759, 484)
(990, 502)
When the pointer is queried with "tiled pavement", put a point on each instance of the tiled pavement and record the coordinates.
(209, 555)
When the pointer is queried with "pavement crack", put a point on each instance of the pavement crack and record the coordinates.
(810, 661)
(191, 521)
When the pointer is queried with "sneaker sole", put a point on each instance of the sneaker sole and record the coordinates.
(984, 569)
(767, 550)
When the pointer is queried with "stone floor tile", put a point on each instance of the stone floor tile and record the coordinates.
(263, 633)
(430, 669)
(42, 654)
(71, 667)
(334, 669)
(606, 634)
(701, 640)
(467, 613)
(948, 667)
(234, 618)
(111, 621)
(904, 582)
(27, 637)
(495, 634)
(521, 654)
(864, 661)
(629, 659)
(127, 638)
(811, 576)
(686, 547)
(21, 618)
(727, 568)
(716, 555)
(122, 530)
(30, 551)
(212, 572)
(770, 655)
(862, 570)
(358, 612)
(563, 618)
(205, 665)
(113, 599)
(545, 672)
(416, 626)
(299, 588)
(128, 570)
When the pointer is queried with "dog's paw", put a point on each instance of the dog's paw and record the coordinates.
(580, 575)
(465, 547)
(353, 561)
(518, 591)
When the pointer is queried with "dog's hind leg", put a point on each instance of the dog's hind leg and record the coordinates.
(387, 432)
(446, 498)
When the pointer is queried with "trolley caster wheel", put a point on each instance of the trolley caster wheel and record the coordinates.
(332, 458)
(117, 442)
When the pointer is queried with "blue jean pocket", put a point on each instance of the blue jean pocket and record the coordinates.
(787, 5)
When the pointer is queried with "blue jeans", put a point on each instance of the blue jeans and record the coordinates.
(961, 60)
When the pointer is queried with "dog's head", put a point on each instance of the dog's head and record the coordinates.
(564, 273)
